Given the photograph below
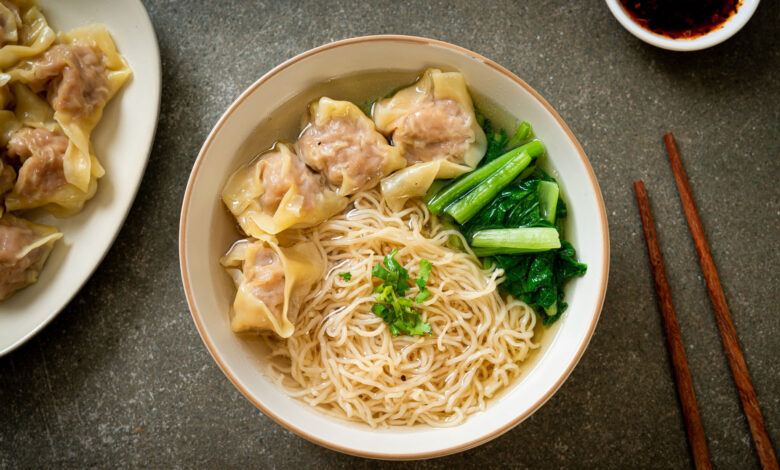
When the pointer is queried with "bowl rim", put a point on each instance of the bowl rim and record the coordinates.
(729, 28)
(301, 432)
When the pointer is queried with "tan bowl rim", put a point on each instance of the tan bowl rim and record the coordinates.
(300, 432)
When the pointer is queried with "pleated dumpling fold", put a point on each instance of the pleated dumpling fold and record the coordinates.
(24, 247)
(24, 32)
(79, 75)
(271, 283)
(342, 143)
(277, 191)
(433, 124)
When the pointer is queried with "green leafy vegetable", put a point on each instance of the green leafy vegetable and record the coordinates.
(442, 199)
(516, 240)
(469, 205)
(537, 278)
(392, 306)
(498, 142)
(497, 230)
(346, 276)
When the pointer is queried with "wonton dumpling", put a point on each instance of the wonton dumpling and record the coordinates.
(434, 119)
(42, 177)
(23, 31)
(7, 180)
(413, 181)
(79, 74)
(343, 144)
(24, 247)
(277, 191)
(271, 283)
(433, 124)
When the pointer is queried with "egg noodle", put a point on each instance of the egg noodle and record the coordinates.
(343, 359)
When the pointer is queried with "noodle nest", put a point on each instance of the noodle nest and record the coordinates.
(343, 359)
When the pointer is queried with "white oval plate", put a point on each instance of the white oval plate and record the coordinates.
(122, 142)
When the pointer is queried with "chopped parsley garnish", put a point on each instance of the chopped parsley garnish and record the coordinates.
(425, 273)
(346, 275)
(391, 304)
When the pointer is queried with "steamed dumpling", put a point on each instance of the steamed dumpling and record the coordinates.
(342, 143)
(433, 124)
(10, 22)
(7, 181)
(277, 191)
(434, 119)
(24, 247)
(78, 76)
(42, 179)
(23, 31)
(80, 73)
(271, 282)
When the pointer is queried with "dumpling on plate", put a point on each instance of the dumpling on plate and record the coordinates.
(24, 247)
(43, 174)
(277, 191)
(7, 181)
(433, 124)
(79, 74)
(342, 143)
(271, 283)
(23, 31)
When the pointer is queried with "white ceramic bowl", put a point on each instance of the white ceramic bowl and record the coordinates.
(716, 36)
(206, 231)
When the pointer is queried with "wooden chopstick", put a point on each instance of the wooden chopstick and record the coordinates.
(682, 375)
(728, 334)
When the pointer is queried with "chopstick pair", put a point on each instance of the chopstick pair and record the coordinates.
(728, 334)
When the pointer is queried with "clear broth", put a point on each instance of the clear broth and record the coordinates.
(286, 122)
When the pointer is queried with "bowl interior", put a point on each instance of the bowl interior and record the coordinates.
(207, 231)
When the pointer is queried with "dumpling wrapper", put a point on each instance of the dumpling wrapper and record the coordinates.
(26, 32)
(343, 144)
(24, 248)
(82, 167)
(271, 283)
(7, 181)
(277, 191)
(414, 181)
(433, 119)
(42, 180)
(433, 123)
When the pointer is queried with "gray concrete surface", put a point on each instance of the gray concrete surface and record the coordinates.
(121, 379)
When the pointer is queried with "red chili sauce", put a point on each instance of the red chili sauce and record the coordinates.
(680, 18)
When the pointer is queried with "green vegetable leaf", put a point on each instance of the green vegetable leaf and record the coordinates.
(393, 273)
(422, 280)
(346, 276)
(535, 278)
(496, 141)
(392, 307)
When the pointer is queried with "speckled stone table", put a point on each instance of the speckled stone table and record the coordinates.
(121, 378)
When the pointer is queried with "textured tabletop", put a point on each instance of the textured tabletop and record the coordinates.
(121, 378)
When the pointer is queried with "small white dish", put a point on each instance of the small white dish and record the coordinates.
(716, 36)
(207, 231)
(122, 141)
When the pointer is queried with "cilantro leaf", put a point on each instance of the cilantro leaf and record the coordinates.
(425, 273)
(392, 306)
(393, 273)
(346, 275)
